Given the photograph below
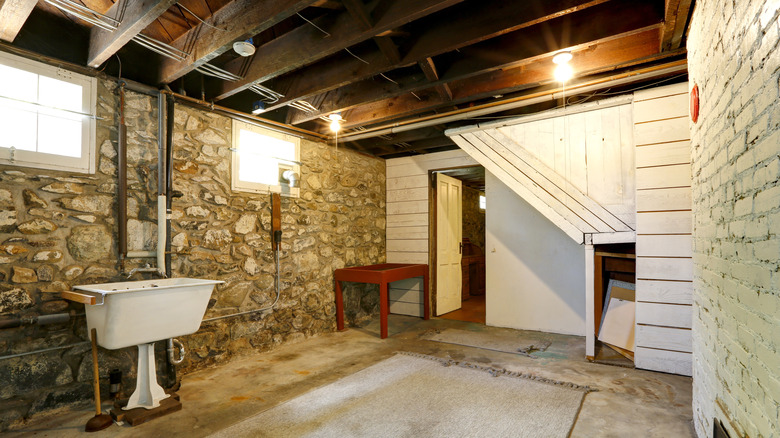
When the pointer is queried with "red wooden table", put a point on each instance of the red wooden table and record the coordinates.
(382, 275)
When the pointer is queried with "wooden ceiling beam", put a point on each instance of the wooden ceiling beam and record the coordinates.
(306, 44)
(236, 21)
(136, 16)
(361, 93)
(468, 23)
(13, 14)
(625, 51)
(359, 13)
(429, 69)
(388, 48)
(677, 13)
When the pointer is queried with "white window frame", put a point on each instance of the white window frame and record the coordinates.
(244, 186)
(41, 160)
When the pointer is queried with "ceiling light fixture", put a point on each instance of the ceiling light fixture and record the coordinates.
(244, 48)
(563, 72)
(335, 122)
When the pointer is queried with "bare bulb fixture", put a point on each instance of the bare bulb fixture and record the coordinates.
(335, 122)
(563, 72)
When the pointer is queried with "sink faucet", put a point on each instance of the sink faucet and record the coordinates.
(146, 268)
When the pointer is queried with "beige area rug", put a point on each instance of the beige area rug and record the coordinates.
(411, 395)
(509, 342)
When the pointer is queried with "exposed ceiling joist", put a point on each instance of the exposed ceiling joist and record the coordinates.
(675, 22)
(429, 69)
(307, 44)
(238, 20)
(13, 14)
(467, 24)
(609, 54)
(135, 17)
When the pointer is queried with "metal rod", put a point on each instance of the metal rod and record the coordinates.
(518, 102)
(171, 108)
(122, 171)
(263, 123)
(44, 350)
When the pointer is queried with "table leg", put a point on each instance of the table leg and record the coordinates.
(339, 307)
(383, 309)
(426, 297)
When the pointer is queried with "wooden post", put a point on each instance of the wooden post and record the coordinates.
(590, 329)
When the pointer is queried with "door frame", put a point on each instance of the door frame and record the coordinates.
(433, 233)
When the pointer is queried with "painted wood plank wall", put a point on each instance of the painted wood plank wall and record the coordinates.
(663, 226)
(407, 219)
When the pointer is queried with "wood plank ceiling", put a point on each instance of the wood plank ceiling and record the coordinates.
(380, 63)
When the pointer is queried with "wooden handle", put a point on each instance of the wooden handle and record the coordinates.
(95, 373)
(78, 297)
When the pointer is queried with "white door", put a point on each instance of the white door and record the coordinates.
(448, 243)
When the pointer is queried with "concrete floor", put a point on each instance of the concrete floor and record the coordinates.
(629, 402)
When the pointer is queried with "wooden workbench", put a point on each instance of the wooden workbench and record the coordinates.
(381, 274)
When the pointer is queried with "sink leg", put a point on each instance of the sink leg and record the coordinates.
(148, 392)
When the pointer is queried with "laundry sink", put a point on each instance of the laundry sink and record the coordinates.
(140, 313)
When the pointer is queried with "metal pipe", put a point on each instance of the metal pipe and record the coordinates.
(162, 204)
(122, 171)
(44, 350)
(263, 123)
(171, 356)
(518, 102)
(56, 318)
(168, 177)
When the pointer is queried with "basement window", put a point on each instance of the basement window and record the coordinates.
(260, 159)
(46, 116)
(482, 202)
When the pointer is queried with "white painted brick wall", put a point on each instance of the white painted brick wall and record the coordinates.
(734, 59)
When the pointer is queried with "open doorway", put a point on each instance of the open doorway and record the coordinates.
(470, 245)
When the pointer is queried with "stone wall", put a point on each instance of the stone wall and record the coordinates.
(59, 229)
(473, 217)
(734, 59)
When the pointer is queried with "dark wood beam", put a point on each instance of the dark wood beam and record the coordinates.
(388, 48)
(13, 14)
(306, 44)
(136, 16)
(236, 21)
(421, 146)
(634, 48)
(429, 69)
(466, 24)
(359, 13)
(328, 4)
(361, 93)
(675, 22)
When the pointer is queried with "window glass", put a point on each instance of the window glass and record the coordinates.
(260, 157)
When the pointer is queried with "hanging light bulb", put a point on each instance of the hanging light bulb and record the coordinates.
(335, 122)
(563, 72)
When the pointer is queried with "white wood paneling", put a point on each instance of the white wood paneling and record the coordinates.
(664, 222)
(664, 291)
(679, 245)
(408, 217)
(666, 361)
(398, 233)
(662, 154)
(663, 199)
(667, 338)
(662, 131)
(664, 267)
(665, 315)
(672, 106)
(661, 177)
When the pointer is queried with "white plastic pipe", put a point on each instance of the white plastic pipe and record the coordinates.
(161, 234)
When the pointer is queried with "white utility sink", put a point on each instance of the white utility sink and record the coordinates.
(142, 312)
